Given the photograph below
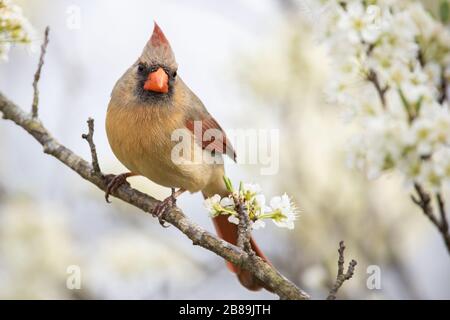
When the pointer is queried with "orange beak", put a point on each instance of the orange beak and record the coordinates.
(157, 81)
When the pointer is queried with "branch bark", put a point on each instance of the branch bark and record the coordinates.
(244, 234)
(37, 75)
(89, 137)
(373, 77)
(341, 276)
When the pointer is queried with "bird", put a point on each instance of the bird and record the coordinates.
(148, 104)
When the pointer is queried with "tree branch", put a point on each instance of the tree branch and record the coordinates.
(444, 222)
(424, 202)
(443, 88)
(264, 272)
(373, 77)
(341, 276)
(244, 234)
(37, 75)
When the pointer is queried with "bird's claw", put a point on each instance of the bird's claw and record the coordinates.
(161, 208)
(114, 182)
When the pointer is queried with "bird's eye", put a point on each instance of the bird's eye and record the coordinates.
(141, 67)
(174, 74)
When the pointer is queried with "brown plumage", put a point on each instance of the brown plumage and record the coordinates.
(148, 104)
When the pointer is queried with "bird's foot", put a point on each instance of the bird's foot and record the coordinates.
(162, 207)
(168, 203)
(114, 182)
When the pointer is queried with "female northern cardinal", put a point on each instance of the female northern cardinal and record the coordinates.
(147, 104)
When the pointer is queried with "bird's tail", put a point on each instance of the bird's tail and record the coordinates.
(228, 232)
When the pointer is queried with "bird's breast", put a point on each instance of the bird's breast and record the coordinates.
(141, 138)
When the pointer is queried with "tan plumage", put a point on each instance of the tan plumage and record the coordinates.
(140, 137)
(139, 126)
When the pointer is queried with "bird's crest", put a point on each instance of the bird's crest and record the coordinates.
(158, 50)
(158, 38)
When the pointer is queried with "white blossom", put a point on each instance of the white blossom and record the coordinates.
(360, 23)
(258, 224)
(284, 206)
(441, 163)
(233, 219)
(227, 202)
(212, 204)
(260, 205)
(252, 188)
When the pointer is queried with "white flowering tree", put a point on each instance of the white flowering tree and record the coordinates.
(391, 62)
(14, 27)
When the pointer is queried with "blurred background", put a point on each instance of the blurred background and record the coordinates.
(255, 64)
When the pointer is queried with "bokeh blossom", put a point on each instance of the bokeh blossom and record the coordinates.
(391, 62)
(14, 27)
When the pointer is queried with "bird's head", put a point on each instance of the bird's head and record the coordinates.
(156, 68)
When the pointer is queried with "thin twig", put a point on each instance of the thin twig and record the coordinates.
(420, 57)
(443, 88)
(424, 202)
(244, 232)
(341, 276)
(373, 77)
(444, 222)
(37, 75)
(443, 227)
(89, 137)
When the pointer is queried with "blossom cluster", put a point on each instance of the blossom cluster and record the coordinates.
(391, 70)
(280, 210)
(14, 27)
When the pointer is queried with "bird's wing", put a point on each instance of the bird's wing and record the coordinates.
(209, 135)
